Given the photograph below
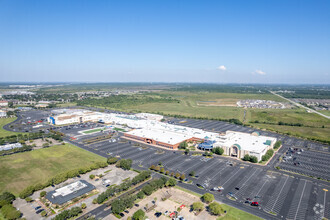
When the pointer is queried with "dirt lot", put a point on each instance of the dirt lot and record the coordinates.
(40, 142)
(177, 199)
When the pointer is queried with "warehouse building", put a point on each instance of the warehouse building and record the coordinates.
(69, 192)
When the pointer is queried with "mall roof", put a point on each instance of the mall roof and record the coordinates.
(245, 141)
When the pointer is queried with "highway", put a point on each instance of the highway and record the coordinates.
(300, 105)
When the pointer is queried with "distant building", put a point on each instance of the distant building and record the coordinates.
(71, 117)
(10, 146)
(3, 103)
(3, 114)
(69, 192)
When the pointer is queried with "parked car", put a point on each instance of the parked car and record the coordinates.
(255, 204)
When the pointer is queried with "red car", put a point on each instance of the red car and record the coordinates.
(255, 204)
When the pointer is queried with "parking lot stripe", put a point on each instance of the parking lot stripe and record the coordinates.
(302, 193)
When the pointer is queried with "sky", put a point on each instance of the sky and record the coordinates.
(232, 41)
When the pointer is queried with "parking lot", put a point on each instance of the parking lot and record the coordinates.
(280, 195)
(307, 162)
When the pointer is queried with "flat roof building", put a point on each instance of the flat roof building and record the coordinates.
(69, 192)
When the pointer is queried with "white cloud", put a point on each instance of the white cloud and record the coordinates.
(260, 72)
(222, 67)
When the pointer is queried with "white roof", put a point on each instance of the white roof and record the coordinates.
(246, 141)
(66, 190)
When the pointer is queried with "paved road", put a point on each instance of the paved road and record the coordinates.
(300, 105)
(104, 210)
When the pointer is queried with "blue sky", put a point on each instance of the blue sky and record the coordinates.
(266, 41)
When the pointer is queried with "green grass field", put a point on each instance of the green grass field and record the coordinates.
(236, 214)
(93, 131)
(20, 170)
(4, 121)
(325, 112)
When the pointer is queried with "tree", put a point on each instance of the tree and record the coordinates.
(157, 168)
(140, 195)
(162, 170)
(182, 177)
(253, 159)
(152, 167)
(43, 193)
(246, 157)
(192, 173)
(171, 182)
(92, 176)
(186, 151)
(207, 198)
(215, 208)
(10, 212)
(172, 173)
(139, 215)
(83, 206)
(147, 189)
(167, 172)
(197, 206)
(183, 145)
(277, 144)
(177, 175)
(218, 150)
(112, 160)
(8, 197)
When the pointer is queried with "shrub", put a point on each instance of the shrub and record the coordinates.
(83, 206)
(43, 193)
(92, 176)
(28, 199)
(43, 213)
(139, 215)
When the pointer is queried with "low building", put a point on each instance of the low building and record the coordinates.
(3, 103)
(3, 114)
(69, 192)
(10, 146)
(72, 117)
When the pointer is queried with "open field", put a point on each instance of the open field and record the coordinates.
(20, 170)
(303, 132)
(325, 112)
(4, 121)
(204, 104)
(236, 214)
